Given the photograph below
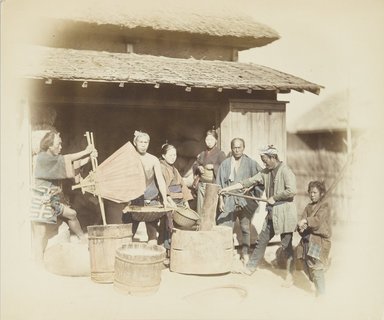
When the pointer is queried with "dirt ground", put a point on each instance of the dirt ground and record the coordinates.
(30, 292)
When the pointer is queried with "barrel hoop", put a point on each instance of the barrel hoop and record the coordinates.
(139, 262)
(93, 237)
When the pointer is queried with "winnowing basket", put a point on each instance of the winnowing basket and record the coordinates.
(120, 178)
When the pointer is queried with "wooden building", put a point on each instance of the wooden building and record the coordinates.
(173, 74)
(321, 146)
(329, 126)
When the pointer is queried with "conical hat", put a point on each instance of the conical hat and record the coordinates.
(120, 178)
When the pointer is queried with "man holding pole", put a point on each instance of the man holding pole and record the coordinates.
(234, 169)
(50, 169)
(281, 218)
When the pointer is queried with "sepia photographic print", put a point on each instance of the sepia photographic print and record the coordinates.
(191, 159)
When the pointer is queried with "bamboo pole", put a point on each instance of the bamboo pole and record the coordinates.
(244, 196)
(90, 141)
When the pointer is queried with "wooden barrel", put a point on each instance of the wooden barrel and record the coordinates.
(202, 252)
(103, 242)
(138, 268)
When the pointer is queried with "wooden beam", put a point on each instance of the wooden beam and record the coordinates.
(123, 102)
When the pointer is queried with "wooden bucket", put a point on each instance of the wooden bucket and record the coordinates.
(202, 252)
(138, 268)
(103, 242)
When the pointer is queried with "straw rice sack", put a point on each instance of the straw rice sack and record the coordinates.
(68, 259)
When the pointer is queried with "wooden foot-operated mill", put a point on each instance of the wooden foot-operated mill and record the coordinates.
(208, 250)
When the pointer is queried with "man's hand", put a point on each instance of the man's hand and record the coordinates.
(235, 186)
(221, 203)
(223, 190)
(89, 149)
(271, 201)
(94, 153)
(186, 204)
(201, 169)
(302, 225)
(247, 190)
(172, 203)
(166, 204)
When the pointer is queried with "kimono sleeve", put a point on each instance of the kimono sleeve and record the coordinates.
(53, 167)
(254, 180)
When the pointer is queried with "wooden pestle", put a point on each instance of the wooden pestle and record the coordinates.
(208, 215)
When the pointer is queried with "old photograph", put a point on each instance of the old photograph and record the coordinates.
(191, 159)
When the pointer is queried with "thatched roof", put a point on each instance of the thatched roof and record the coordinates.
(234, 28)
(85, 65)
(334, 113)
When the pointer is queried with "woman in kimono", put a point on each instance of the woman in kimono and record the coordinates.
(206, 166)
(178, 193)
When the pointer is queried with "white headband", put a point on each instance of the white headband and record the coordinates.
(138, 134)
(269, 150)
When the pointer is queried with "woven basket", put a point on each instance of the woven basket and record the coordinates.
(147, 213)
(185, 217)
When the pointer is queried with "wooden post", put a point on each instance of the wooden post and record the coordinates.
(208, 214)
(90, 141)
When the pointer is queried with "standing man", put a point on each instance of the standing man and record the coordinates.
(51, 168)
(281, 218)
(154, 181)
(234, 169)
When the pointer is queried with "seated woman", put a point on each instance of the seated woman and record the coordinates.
(154, 182)
(50, 169)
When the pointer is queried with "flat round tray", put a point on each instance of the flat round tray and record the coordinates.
(146, 213)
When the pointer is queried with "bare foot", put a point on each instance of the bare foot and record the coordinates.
(288, 282)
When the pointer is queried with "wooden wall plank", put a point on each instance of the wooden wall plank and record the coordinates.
(258, 122)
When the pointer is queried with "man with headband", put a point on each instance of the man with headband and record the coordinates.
(280, 188)
(154, 181)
